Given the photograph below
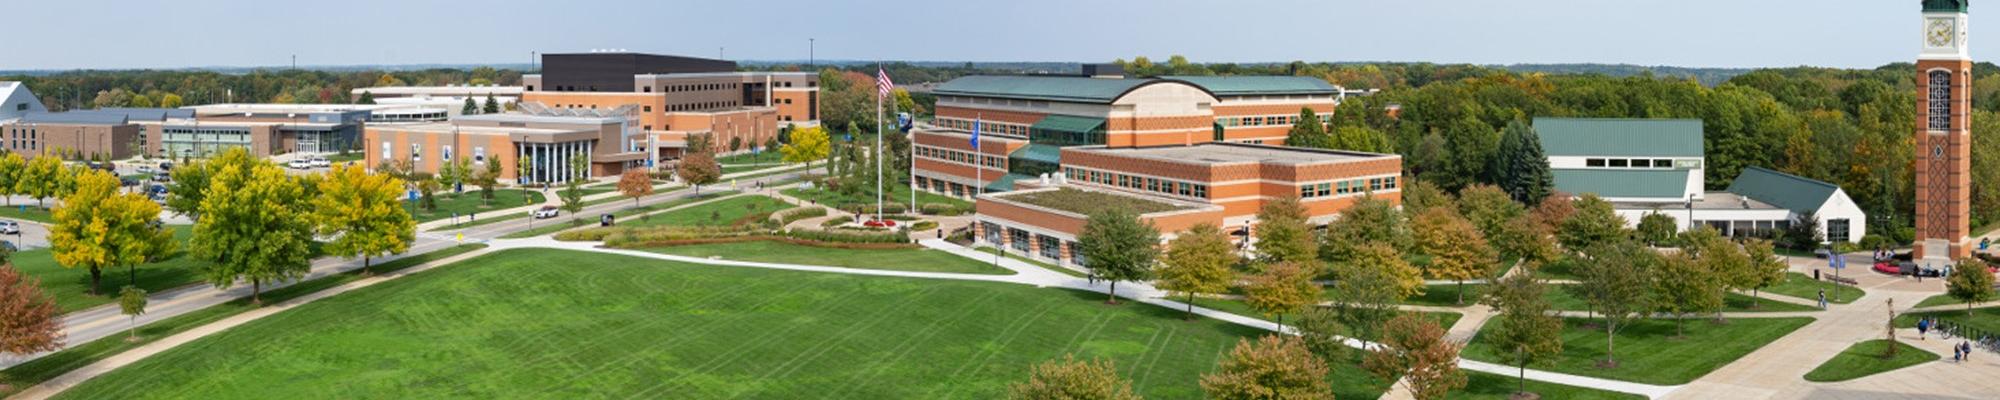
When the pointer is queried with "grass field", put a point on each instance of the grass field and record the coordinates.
(1803, 286)
(921, 260)
(1446, 295)
(468, 203)
(750, 158)
(1481, 385)
(77, 355)
(898, 193)
(71, 287)
(1731, 302)
(1647, 354)
(560, 224)
(1942, 300)
(1031, 261)
(1985, 319)
(26, 211)
(726, 212)
(1865, 358)
(564, 324)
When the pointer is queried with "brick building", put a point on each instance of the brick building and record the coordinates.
(549, 139)
(71, 135)
(677, 97)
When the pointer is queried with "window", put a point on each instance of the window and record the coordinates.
(446, 155)
(387, 152)
(1836, 230)
(1939, 100)
(649, 108)
(1663, 163)
(416, 152)
(1051, 247)
(1618, 163)
(1642, 163)
(1593, 162)
(479, 154)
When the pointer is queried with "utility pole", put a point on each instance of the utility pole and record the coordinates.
(811, 57)
(295, 61)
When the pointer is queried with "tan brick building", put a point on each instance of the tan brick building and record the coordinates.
(71, 135)
(678, 97)
(548, 140)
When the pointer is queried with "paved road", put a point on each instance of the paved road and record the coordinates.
(84, 326)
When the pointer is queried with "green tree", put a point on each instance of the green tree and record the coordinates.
(1360, 138)
(12, 169)
(1421, 195)
(1656, 229)
(1616, 283)
(1368, 287)
(1682, 286)
(1414, 348)
(254, 226)
(471, 107)
(1524, 239)
(367, 97)
(1070, 379)
(132, 303)
(1119, 246)
(362, 214)
(572, 191)
(1970, 282)
(42, 178)
(1519, 166)
(1526, 333)
(1594, 222)
(1283, 233)
(1282, 288)
(452, 174)
(1198, 262)
(487, 178)
(492, 107)
(1308, 132)
(98, 228)
(1273, 367)
(1369, 220)
(1489, 208)
(1766, 268)
(140, 101)
(171, 100)
(1457, 251)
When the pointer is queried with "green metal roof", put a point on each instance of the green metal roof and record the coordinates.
(1039, 152)
(1006, 182)
(1258, 84)
(1620, 137)
(1051, 88)
(1792, 192)
(1656, 183)
(1067, 123)
(1946, 5)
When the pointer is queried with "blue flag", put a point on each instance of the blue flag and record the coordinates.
(975, 134)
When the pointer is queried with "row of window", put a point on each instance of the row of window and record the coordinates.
(1048, 247)
(1261, 120)
(984, 126)
(1638, 163)
(964, 157)
(691, 88)
(993, 101)
(1149, 184)
(417, 153)
(1346, 187)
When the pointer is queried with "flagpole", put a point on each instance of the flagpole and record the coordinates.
(878, 143)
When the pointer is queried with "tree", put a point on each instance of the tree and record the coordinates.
(635, 183)
(487, 178)
(1765, 267)
(1681, 286)
(1526, 240)
(1656, 229)
(1368, 288)
(367, 97)
(1069, 379)
(492, 107)
(698, 169)
(735, 143)
(12, 167)
(98, 228)
(29, 320)
(1282, 288)
(1970, 282)
(807, 144)
(1273, 367)
(471, 107)
(132, 303)
(1725, 263)
(1421, 195)
(1594, 222)
(171, 100)
(1414, 347)
(254, 226)
(1526, 332)
(1489, 208)
(1369, 220)
(572, 191)
(140, 101)
(1457, 251)
(1283, 234)
(1553, 210)
(1323, 332)
(1519, 166)
(427, 188)
(1119, 246)
(1198, 262)
(362, 214)
(1615, 284)
(42, 178)
(191, 181)
(1308, 132)
(454, 173)
(1361, 138)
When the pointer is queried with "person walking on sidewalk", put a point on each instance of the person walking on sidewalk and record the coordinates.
(1923, 327)
(1966, 347)
(1822, 299)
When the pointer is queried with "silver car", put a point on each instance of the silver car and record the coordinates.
(10, 228)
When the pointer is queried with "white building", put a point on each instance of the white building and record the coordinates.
(16, 100)
(1647, 166)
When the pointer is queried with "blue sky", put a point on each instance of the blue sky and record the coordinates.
(1701, 33)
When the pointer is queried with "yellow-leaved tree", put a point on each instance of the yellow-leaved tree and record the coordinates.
(808, 144)
(256, 225)
(361, 211)
(98, 228)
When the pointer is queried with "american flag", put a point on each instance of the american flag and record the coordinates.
(882, 83)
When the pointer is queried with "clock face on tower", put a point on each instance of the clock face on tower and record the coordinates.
(1939, 33)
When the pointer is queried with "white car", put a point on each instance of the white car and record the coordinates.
(321, 162)
(10, 228)
(300, 164)
(547, 212)
(145, 169)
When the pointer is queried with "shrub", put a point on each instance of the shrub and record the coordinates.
(924, 225)
(787, 217)
(942, 209)
(849, 236)
(900, 217)
(836, 221)
(1872, 242)
(890, 208)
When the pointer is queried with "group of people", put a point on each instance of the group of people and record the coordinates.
(1959, 352)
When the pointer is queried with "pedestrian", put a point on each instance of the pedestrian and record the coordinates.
(1822, 299)
(1923, 327)
(1956, 354)
(1966, 346)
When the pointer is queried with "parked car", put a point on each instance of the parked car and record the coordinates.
(163, 176)
(9, 246)
(300, 164)
(547, 212)
(166, 166)
(321, 162)
(128, 182)
(145, 169)
(10, 228)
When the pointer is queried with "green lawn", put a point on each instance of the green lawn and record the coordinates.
(79, 355)
(565, 324)
(468, 203)
(898, 193)
(1038, 263)
(1731, 302)
(1481, 385)
(1985, 319)
(1940, 300)
(561, 224)
(731, 169)
(345, 157)
(726, 212)
(71, 287)
(751, 158)
(1865, 358)
(1647, 354)
(1803, 286)
(1446, 295)
(920, 260)
(26, 211)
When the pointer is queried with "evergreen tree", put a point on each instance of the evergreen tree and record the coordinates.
(492, 106)
(1519, 166)
(367, 97)
(471, 107)
(1308, 132)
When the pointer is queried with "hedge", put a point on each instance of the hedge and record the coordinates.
(924, 225)
(890, 208)
(836, 221)
(787, 217)
(942, 209)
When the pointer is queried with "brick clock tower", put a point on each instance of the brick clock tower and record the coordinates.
(1944, 134)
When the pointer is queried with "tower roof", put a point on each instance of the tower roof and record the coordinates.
(1946, 5)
